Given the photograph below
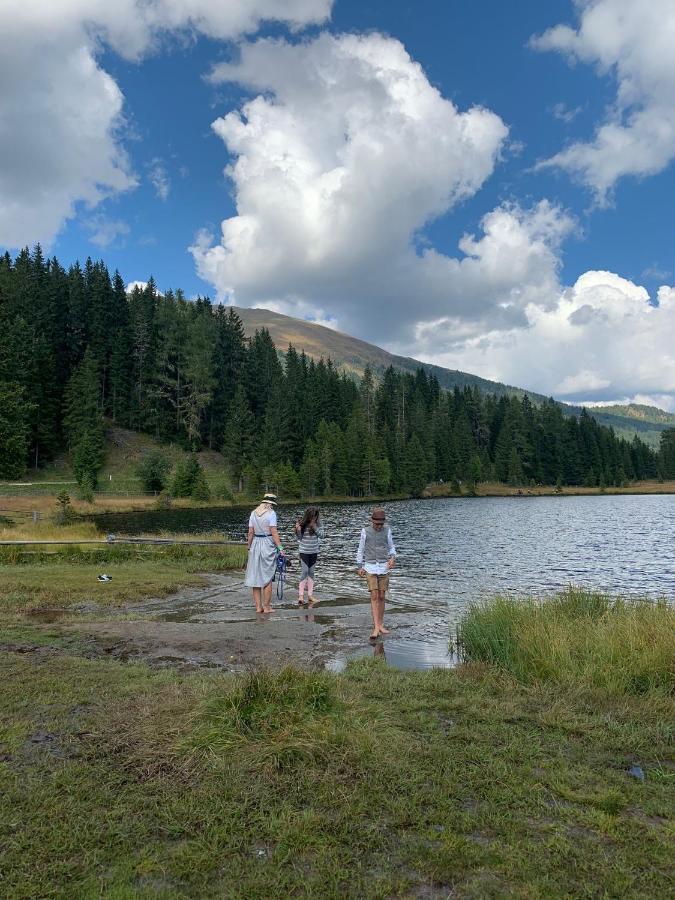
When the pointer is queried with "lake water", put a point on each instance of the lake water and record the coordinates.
(452, 551)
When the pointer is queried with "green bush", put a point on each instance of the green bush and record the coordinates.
(200, 488)
(153, 470)
(221, 490)
(185, 476)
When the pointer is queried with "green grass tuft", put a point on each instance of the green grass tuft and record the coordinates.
(578, 638)
(279, 720)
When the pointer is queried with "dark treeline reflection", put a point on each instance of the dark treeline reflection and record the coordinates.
(77, 350)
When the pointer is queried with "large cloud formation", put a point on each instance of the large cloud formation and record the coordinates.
(603, 339)
(633, 42)
(61, 114)
(346, 152)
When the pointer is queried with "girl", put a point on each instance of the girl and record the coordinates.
(309, 532)
(263, 544)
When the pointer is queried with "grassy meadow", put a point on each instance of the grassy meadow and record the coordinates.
(36, 580)
(542, 768)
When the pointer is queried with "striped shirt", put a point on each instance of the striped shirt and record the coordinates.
(310, 543)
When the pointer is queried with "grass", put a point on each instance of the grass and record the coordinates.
(35, 581)
(123, 782)
(577, 638)
(509, 777)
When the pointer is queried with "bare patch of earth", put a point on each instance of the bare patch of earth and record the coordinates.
(217, 626)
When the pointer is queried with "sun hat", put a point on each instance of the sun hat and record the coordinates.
(270, 498)
(378, 514)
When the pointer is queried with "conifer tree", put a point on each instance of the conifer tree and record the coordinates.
(238, 437)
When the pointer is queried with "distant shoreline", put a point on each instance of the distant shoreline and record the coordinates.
(44, 504)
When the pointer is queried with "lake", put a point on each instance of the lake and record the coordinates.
(453, 551)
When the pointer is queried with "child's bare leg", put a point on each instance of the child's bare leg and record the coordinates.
(374, 610)
(267, 597)
(257, 599)
(380, 610)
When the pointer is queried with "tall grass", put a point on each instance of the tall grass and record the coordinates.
(578, 637)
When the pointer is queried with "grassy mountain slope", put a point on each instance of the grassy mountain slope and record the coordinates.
(648, 415)
(353, 355)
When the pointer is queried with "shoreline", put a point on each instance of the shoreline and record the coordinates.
(45, 504)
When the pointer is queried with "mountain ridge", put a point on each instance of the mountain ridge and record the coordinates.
(353, 354)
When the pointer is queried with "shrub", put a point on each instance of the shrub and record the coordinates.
(64, 511)
(221, 490)
(153, 470)
(185, 476)
(200, 488)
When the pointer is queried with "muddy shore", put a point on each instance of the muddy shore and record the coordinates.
(216, 627)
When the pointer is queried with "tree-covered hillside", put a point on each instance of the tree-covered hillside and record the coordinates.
(77, 351)
(355, 355)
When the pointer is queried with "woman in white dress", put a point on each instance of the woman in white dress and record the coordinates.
(263, 544)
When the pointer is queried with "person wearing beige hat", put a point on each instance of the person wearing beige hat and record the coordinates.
(375, 558)
(263, 545)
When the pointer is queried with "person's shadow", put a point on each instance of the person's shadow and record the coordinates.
(378, 651)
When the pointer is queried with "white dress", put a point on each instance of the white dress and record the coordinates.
(262, 557)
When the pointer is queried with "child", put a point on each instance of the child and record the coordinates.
(375, 558)
(309, 532)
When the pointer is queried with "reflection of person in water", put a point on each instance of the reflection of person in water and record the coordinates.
(375, 558)
(378, 650)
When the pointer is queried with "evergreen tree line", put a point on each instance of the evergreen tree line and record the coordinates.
(77, 351)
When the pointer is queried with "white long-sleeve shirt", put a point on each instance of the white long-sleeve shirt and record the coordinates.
(374, 568)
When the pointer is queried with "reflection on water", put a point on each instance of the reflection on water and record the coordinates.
(427, 653)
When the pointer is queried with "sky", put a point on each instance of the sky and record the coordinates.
(483, 185)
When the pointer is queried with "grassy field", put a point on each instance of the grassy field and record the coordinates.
(497, 779)
(120, 782)
(35, 581)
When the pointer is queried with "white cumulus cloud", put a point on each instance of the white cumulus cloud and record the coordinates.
(61, 116)
(603, 339)
(633, 43)
(346, 152)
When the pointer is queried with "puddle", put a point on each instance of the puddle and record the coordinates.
(402, 654)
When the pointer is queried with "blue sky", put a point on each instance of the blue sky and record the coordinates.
(141, 171)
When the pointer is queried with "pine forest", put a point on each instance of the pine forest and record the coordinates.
(78, 353)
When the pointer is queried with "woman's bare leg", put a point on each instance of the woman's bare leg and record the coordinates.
(257, 599)
(267, 597)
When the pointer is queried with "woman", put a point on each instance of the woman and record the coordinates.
(309, 532)
(263, 544)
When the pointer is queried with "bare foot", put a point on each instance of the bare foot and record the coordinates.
(384, 630)
(375, 635)
(313, 601)
(267, 609)
(301, 602)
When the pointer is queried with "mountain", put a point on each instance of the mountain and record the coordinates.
(353, 355)
(650, 415)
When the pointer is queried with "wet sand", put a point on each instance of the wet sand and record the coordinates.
(217, 627)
